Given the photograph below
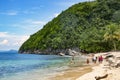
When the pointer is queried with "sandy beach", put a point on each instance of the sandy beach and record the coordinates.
(72, 73)
(111, 70)
(102, 71)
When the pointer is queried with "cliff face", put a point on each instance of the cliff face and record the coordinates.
(81, 26)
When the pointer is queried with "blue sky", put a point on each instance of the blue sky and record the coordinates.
(21, 18)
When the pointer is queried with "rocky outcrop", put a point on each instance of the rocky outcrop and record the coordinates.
(51, 52)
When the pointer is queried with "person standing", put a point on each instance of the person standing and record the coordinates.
(100, 59)
(94, 59)
(73, 59)
(87, 61)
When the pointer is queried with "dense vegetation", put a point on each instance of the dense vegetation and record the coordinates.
(90, 26)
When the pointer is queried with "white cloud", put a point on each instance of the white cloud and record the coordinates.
(20, 40)
(11, 13)
(28, 12)
(29, 23)
(4, 42)
(30, 26)
(37, 7)
(3, 34)
(11, 41)
(65, 3)
(71, 2)
(35, 22)
(56, 14)
(53, 16)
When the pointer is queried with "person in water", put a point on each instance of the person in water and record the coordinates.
(73, 59)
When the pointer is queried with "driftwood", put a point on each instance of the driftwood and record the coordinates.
(109, 56)
(101, 77)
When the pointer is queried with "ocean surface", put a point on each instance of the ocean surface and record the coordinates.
(15, 66)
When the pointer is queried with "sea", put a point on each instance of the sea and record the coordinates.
(16, 66)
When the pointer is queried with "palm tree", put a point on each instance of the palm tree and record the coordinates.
(112, 34)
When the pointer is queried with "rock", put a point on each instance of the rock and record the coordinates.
(61, 54)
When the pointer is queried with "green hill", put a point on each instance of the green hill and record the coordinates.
(81, 27)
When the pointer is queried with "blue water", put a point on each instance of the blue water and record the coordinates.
(14, 66)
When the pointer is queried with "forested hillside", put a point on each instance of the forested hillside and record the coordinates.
(88, 26)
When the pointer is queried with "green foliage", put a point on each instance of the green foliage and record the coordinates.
(83, 25)
(112, 34)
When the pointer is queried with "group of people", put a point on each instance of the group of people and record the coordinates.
(94, 59)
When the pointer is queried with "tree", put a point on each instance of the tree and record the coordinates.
(112, 34)
(92, 40)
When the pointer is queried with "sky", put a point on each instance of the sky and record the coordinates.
(21, 18)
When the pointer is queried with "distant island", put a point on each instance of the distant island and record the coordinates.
(12, 50)
(88, 27)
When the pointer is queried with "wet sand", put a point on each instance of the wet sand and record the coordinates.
(72, 73)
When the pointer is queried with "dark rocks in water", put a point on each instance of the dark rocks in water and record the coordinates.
(51, 52)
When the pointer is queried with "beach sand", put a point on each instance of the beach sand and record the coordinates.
(91, 71)
(101, 70)
(72, 73)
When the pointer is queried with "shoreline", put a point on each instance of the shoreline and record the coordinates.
(72, 73)
(92, 71)
(106, 69)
